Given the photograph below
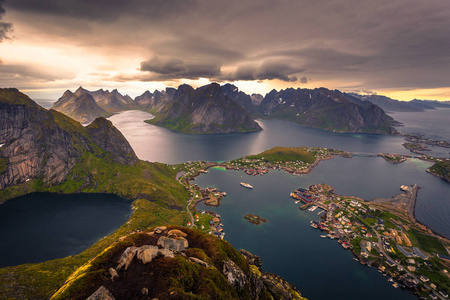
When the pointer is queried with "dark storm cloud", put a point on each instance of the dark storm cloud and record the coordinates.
(270, 69)
(371, 44)
(102, 10)
(4, 27)
(175, 68)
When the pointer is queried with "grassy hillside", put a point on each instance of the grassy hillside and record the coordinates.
(277, 154)
(158, 199)
(441, 169)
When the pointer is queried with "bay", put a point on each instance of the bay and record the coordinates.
(288, 246)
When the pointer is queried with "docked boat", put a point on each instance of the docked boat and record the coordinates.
(323, 236)
(246, 185)
(297, 201)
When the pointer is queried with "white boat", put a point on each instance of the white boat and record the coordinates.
(313, 208)
(323, 236)
(246, 185)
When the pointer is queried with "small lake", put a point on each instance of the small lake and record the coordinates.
(44, 226)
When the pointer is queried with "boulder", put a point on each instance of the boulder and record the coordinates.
(144, 291)
(146, 253)
(234, 275)
(171, 244)
(113, 273)
(160, 229)
(101, 294)
(166, 253)
(177, 233)
(185, 241)
(127, 257)
(199, 262)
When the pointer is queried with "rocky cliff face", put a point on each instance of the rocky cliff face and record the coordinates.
(45, 145)
(204, 110)
(173, 262)
(323, 108)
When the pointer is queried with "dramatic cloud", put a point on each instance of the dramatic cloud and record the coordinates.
(364, 45)
(4, 27)
(174, 68)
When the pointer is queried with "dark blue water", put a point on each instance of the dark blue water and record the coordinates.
(288, 246)
(155, 143)
(43, 226)
(378, 177)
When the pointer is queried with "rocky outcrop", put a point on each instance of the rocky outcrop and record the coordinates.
(211, 269)
(204, 110)
(101, 294)
(46, 145)
(103, 133)
(326, 109)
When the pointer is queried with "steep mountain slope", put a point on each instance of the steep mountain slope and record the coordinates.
(80, 106)
(45, 145)
(388, 104)
(172, 262)
(204, 110)
(153, 103)
(84, 106)
(244, 100)
(326, 109)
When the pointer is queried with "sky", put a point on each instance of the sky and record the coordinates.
(398, 48)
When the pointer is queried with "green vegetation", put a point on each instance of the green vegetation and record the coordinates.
(254, 219)
(3, 164)
(11, 96)
(169, 277)
(285, 154)
(157, 201)
(429, 243)
(441, 169)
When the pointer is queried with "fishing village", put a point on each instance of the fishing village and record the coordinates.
(381, 233)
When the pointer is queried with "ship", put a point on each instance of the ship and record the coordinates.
(246, 185)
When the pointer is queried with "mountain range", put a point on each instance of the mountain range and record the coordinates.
(326, 109)
(224, 109)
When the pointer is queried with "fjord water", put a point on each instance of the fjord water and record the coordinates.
(321, 268)
(288, 246)
(43, 226)
(376, 177)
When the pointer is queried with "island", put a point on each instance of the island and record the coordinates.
(394, 158)
(441, 169)
(254, 219)
(416, 147)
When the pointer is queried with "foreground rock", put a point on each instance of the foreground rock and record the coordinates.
(148, 266)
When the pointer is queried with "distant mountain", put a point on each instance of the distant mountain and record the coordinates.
(80, 106)
(431, 103)
(45, 145)
(204, 110)
(326, 109)
(391, 105)
(84, 109)
(234, 94)
(152, 103)
(256, 99)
